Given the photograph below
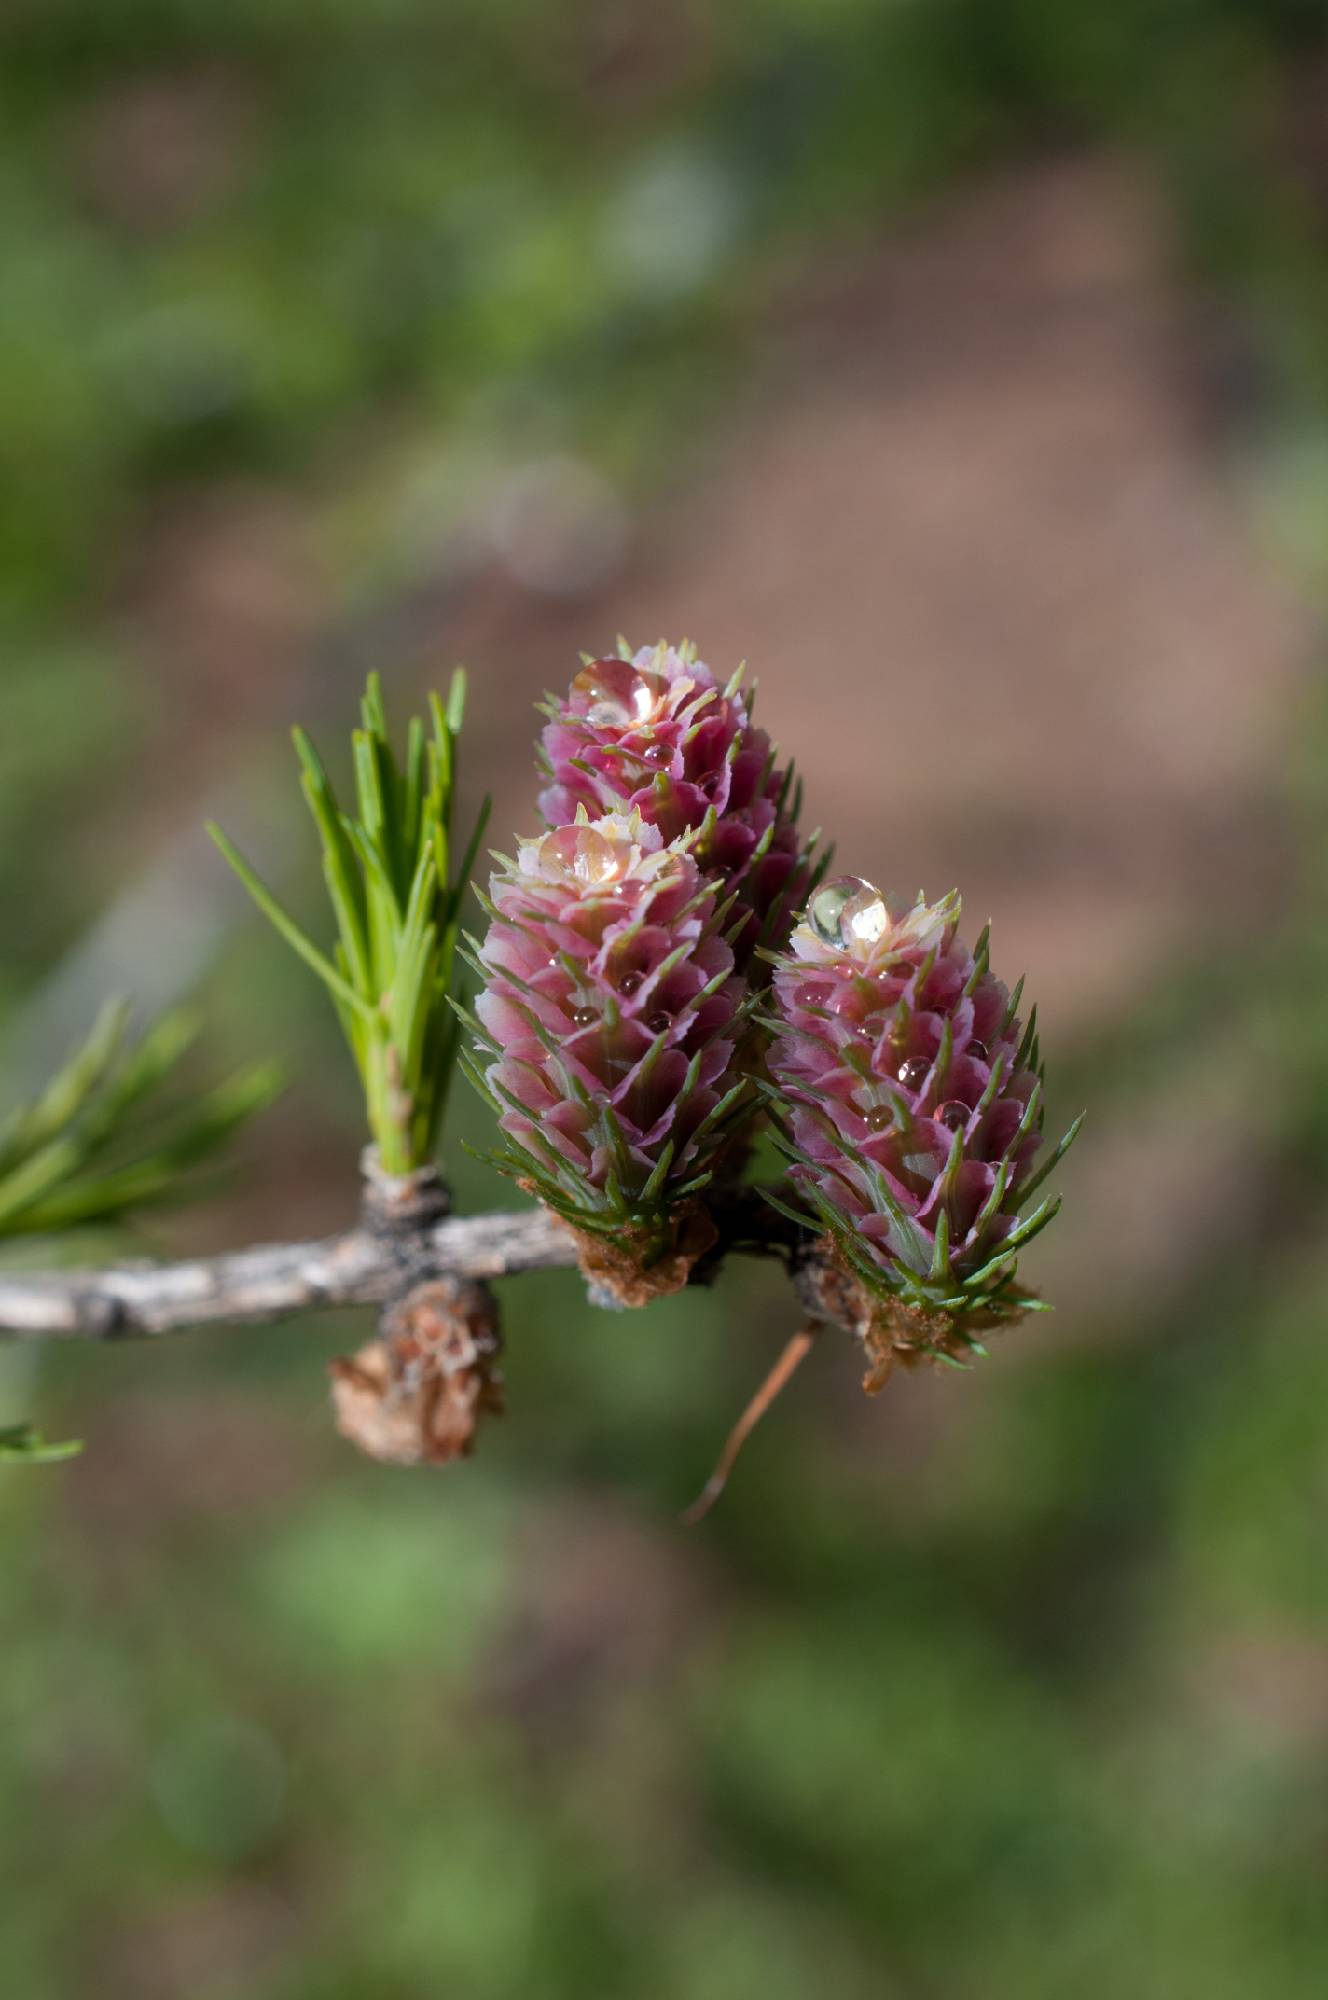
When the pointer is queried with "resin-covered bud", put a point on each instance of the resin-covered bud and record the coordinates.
(911, 1098)
(609, 1019)
(655, 732)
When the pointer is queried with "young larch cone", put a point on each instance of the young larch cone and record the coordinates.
(911, 1098)
(610, 1013)
(655, 732)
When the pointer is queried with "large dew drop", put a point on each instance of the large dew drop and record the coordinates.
(865, 918)
(849, 912)
(619, 695)
(582, 852)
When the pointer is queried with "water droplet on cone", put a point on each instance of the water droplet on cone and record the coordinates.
(880, 1118)
(584, 1017)
(865, 918)
(581, 852)
(849, 912)
(954, 1115)
(913, 1073)
(978, 1050)
(617, 694)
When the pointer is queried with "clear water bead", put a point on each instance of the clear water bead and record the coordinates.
(630, 983)
(865, 919)
(978, 1050)
(658, 753)
(582, 852)
(617, 694)
(827, 905)
(848, 912)
(954, 1115)
(880, 1118)
(584, 1017)
(913, 1073)
(658, 1022)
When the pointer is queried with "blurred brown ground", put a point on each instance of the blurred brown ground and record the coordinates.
(976, 537)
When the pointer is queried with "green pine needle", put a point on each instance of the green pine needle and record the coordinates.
(24, 1442)
(396, 886)
(103, 1140)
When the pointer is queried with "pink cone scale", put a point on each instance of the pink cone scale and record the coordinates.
(656, 733)
(610, 1014)
(911, 1100)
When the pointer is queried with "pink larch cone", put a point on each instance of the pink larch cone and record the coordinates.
(912, 1100)
(610, 1014)
(656, 733)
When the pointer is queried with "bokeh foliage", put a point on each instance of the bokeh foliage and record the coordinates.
(108, 1136)
(1038, 1708)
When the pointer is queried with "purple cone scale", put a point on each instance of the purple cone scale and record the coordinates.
(656, 733)
(611, 1013)
(912, 1098)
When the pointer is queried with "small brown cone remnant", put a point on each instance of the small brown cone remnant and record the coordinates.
(629, 1272)
(415, 1395)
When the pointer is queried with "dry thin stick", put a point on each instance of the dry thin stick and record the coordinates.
(366, 1266)
(789, 1361)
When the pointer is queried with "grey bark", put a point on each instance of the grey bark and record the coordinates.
(366, 1266)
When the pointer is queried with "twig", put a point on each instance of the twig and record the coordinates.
(363, 1267)
(795, 1353)
(369, 1265)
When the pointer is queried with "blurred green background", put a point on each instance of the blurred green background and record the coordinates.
(963, 364)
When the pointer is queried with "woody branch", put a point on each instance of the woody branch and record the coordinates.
(401, 1241)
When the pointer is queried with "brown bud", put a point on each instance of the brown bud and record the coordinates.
(636, 1267)
(415, 1395)
(396, 1204)
(890, 1332)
